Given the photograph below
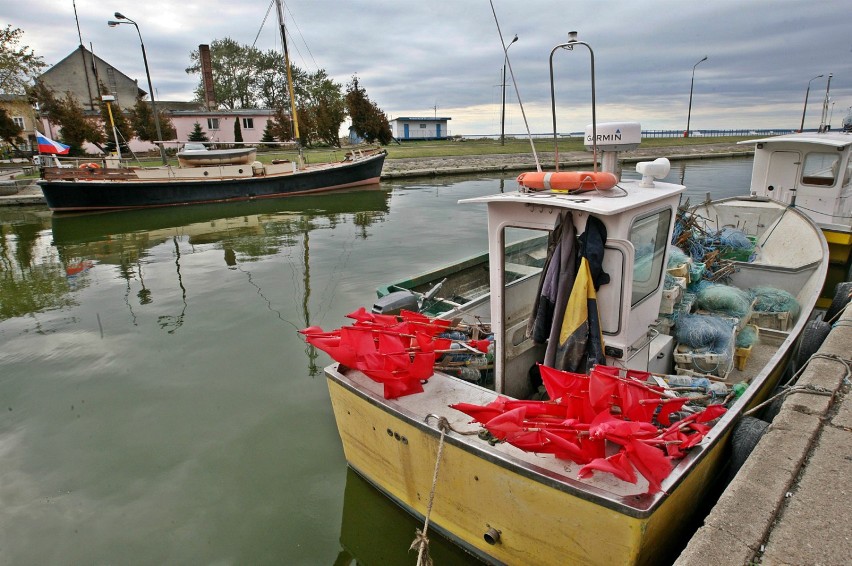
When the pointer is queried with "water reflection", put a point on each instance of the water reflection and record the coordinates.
(374, 530)
(37, 276)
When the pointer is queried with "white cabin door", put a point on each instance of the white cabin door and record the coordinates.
(782, 175)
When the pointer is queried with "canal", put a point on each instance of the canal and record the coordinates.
(158, 405)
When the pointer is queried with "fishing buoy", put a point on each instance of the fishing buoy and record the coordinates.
(564, 181)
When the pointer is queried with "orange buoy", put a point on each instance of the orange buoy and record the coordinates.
(90, 166)
(564, 181)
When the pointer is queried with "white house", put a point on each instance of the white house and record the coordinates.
(405, 128)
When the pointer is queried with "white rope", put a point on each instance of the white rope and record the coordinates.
(421, 541)
(788, 389)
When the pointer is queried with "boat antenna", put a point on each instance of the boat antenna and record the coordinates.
(289, 77)
(515, 84)
(823, 126)
(572, 41)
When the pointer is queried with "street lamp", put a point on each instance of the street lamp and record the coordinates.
(691, 84)
(126, 20)
(503, 114)
(807, 92)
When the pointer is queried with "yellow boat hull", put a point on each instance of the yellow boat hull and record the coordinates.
(839, 250)
(541, 519)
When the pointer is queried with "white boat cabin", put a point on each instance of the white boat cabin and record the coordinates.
(638, 215)
(812, 171)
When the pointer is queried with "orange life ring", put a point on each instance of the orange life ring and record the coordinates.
(568, 181)
(90, 166)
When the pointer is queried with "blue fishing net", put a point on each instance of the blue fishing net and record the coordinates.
(770, 299)
(696, 286)
(746, 337)
(724, 299)
(734, 239)
(676, 257)
(705, 332)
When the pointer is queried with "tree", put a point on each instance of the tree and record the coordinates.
(268, 135)
(197, 134)
(270, 85)
(282, 125)
(142, 120)
(76, 127)
(19, 66)
(238, 132)
(368, 120)
(321, 111)
(10, 132)
(234, 68)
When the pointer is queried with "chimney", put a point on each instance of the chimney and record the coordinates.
(207, 77)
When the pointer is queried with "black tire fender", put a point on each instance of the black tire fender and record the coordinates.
(841, 299)
(813, 335)
(747, 433)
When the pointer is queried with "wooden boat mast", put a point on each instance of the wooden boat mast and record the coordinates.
(289, 76)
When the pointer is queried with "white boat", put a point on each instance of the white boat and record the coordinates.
(813, 172)
(197, 155)
(542, 505)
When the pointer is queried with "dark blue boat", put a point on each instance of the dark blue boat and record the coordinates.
(92, 187)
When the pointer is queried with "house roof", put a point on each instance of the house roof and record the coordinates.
(416, 119)
(102, 61)
(223, 112)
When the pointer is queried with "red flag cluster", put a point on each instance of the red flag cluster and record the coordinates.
(398, 352)
(609, 404)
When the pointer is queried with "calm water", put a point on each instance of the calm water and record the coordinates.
(157, 403)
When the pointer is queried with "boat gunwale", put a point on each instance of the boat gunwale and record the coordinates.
(317, 168)
(642, 506)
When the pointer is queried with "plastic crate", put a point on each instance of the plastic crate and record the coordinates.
(772, 320)
(687, 301)
(706, 362)
(714, 364)
(696, 271)
(681, 270)
(670, 299)
(664, 325)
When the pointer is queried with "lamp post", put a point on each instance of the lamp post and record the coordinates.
(807, 92)
(503, 113)
(691, 84)
(125, 20)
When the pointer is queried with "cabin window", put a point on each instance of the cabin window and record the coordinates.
(212, 123)
(847, 178)
(248, 123)
(649, 236)
(820, 169)
(524, 255)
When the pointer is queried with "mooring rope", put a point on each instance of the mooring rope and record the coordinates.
(788, 389)
(421, 541)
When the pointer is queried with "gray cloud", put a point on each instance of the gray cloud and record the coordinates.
(412, 56)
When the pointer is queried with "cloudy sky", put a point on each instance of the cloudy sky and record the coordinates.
(444, 57)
